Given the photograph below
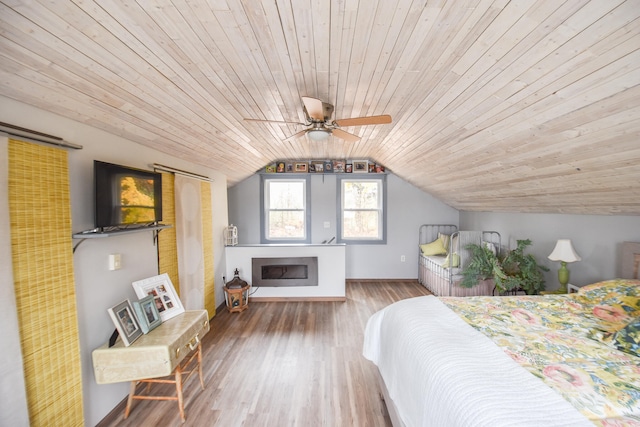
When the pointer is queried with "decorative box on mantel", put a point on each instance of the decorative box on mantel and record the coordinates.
(236, 294)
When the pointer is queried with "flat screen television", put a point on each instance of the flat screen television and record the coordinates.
(125, 196)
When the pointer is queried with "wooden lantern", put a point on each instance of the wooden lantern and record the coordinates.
(236, 294)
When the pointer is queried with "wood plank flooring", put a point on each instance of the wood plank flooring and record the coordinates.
(284, 364)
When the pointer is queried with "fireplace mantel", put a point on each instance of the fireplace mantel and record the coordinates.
(331, 270)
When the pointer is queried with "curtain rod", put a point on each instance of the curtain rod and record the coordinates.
(37, 136)
(157, 166)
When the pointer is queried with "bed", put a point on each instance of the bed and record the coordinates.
(442, 256)
(552, 360)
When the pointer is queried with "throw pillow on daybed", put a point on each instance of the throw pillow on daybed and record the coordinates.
(445, 240)
(434, 248)
(447, 263)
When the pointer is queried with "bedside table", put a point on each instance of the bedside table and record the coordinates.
(572, 288)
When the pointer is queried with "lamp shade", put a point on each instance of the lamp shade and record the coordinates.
(564, 252)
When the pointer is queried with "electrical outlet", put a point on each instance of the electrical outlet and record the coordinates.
(402, 258)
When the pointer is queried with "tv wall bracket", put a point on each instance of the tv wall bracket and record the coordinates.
(96, 233)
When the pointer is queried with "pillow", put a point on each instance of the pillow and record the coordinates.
(445, 240)
(612, 317)
(434, 248)
(627, 339)
(454, 243)
(609, 287)
(490, 246)
(447, 261)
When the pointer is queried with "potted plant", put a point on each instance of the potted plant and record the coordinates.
(515, 271)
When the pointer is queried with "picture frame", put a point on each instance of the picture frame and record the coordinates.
(126, 323)
(270, 168)
(317, 166)
(360, 166)
(164, 294)
(372, 168)
(301, 167)
(280, 168)
(289, 167)
(328, 166)
(348, 168)
(339, 166)
(147, 314)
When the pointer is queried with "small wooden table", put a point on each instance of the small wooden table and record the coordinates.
(188, 367)
(170, 353)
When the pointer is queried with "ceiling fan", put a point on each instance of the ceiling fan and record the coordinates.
(320, 126)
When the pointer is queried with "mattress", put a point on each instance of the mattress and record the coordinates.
(440, 371)
(434, 263)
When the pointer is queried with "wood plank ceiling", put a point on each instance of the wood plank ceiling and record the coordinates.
(497, 105)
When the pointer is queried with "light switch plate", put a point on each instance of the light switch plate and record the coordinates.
(115, 262)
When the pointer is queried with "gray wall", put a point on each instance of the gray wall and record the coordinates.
(13, 396)
(597, 239)
(97, 288)
(408, 208)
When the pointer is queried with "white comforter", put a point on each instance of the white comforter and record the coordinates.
(440, 372)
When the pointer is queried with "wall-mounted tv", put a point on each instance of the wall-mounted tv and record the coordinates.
(126, 196)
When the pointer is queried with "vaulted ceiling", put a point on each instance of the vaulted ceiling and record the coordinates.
(497, 105)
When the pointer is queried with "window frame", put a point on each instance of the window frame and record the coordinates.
(265, 179)
(382, 178)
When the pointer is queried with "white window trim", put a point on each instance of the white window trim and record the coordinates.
(264, 180)
(340, 211)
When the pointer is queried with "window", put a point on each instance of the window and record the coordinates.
(285, 210)
(362, 213)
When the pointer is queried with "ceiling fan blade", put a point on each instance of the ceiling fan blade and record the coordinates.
(296, 135)
(274, 121)
(349, 137)
(314, 108)
(361, 121)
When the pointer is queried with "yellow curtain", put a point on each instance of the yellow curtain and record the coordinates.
(207, 248)
(40, 215)
(167, 243)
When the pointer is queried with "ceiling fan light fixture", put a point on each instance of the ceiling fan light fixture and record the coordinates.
(319, 134)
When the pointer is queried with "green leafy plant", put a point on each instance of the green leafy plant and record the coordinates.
(516, 270)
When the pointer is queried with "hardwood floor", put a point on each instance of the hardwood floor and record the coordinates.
(284, 364)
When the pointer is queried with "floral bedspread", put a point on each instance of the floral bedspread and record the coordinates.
(565, 340)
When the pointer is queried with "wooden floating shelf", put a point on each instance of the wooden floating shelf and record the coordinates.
(91, 234)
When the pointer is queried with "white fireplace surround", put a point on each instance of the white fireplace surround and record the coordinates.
(331, 270)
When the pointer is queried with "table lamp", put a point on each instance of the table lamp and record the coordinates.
(564, 253)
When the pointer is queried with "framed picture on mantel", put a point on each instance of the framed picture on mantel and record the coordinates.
(360, 166)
